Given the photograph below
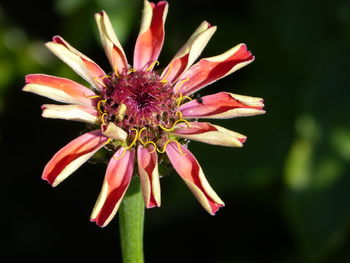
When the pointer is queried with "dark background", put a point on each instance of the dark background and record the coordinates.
(287, 191)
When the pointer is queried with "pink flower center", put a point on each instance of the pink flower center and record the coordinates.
(137, 100)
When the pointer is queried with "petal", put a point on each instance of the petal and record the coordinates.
(115, 184)
(190, 171)
(59, 89)
(147, 160)
(186, 56)
(209, 133)
(208, 70)
(70, 112)
(111, 44)
(151, 36)
(222, 105)
(80, 63)
(72, 156)
(114, 132)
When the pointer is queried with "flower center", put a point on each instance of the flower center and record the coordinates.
(138, 100)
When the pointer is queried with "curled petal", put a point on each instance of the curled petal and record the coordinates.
(151, 36)
(113, 131)
(72, 156)
(190, 171)
(80, 63)
(223, 105)
(186, 56)
(111, 44)
(148, 171)
(209, 70)
(209, 133)
(59, 89)
(116, 182)
(70, 112)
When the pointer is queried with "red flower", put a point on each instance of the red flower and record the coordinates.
(137, 111)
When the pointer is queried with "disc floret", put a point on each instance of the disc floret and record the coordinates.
(142, 104)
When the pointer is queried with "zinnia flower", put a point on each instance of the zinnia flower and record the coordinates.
(140, 114)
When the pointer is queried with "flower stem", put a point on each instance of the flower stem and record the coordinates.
(131, 216)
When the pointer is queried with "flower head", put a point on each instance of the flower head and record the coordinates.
(141, 116)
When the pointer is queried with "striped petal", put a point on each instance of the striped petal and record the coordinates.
(209, 133)
(151, 36)
(116, 182)
(59, 89)
(72, 156)
(190, 171)
(80, 63)
(111, 44)
(187, 55)
(222, 105)
(209, 70)
(148, 171)
(70, 112)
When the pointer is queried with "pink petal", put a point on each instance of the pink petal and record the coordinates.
(70, 112)
(209, 133)
(111, 44)
(80, 63)
(115, 184)
(190, 171)
(209, 70)
(186, 56)
(151, 36)
(222, 105)
(72, 156)
(148, 171)
(59, 89)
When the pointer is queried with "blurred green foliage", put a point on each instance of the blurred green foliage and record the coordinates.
(287, 191)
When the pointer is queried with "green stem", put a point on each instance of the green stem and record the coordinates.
(131, 215)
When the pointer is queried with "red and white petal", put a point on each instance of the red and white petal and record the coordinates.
(113, 131)
(70, 112)
(59, 89)
(116, 182)
(148, 171)
(80, 63)
(190, 171)
(187, 55)
(222, 105)
(151, 36)
(111, 44)
(209, 70)
(72, 156)
(209, 133)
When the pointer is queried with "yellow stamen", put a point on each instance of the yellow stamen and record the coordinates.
(147, 142)
(173, 127)
(181, 99)
(166, 144)
(103, 118)
(115, 69)
(180, 84)
(154, 145)
(163, 80)
(152, 65)
(130, 70)
(179, 113)
(108, 141)
(99, 105)
(130, 146)
(94, 97)
(98, 81)
(135, 139)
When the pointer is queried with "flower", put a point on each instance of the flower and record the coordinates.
(138, 113)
